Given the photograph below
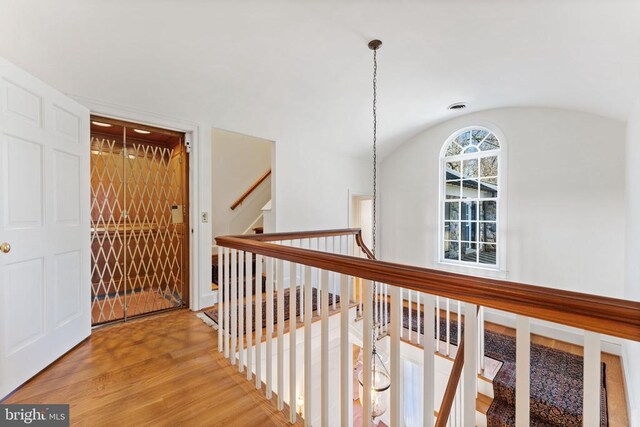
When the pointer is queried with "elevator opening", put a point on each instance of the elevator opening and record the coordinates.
(139, 220)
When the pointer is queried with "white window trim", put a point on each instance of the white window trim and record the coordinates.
(500, 269)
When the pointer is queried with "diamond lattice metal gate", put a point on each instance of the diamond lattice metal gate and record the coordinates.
(139, 222)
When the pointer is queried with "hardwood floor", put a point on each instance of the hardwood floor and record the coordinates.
(163, 370)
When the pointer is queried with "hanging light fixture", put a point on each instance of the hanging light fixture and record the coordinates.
(380, 377)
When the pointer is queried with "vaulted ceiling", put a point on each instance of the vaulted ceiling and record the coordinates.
(287, 69)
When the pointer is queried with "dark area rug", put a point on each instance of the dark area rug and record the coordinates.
(555, 380)
(213, 314)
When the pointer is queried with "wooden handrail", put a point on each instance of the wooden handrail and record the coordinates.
(452, 385)
(296, 235)
(250, 189)
(611, 316)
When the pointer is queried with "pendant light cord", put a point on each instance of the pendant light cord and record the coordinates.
(375, 166)
(375, 154)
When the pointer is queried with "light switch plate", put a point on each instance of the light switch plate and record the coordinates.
(205, 216)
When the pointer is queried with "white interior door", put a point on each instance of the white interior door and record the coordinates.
(44, 217)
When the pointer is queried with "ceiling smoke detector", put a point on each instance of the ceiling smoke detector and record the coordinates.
(457, 106)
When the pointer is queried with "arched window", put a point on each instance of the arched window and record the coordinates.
(470, 198)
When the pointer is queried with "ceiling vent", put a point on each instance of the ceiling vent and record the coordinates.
(457, 106)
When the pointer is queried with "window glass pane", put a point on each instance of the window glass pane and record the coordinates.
(452, 250)
(470, 189)
(470, 168)
(487, 254)
(477, 136)
(451, 210)
(453, 167)
(488, 232)
(468, 231)
(489, 188)
(451, 231)
(453, 189)
(469, 211)
(453, 149)
(469, 252)
(464, 139)
(489, 166)
(488, 210)
(470, 149)
(490, 143)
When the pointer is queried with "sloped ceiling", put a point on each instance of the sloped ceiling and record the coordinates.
(276, 69)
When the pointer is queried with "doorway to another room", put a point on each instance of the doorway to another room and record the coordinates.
(361, 216)
(139, 220)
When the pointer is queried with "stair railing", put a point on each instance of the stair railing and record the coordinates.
(335, 263)
(251, 189)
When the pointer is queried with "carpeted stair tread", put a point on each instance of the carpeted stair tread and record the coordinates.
(213, 314)
(504, 415)
(555, 378)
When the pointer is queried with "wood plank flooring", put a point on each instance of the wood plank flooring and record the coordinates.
(163, 370)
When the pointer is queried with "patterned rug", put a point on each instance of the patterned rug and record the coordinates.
(555, 380)
(213, 314)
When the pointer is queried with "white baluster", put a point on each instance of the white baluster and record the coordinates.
(346, 368)
(258, 326)
(428, 361)
(448, 325)
(481, 340)
(410, 330)
(234, 304)
(322, 247)
(336, 277)
(280, 329)
(241, 309)
(307, 346)
(591, 396)
(220, 304)
(226, 292)
(523, 346)
(269, 302)
(438, 324)
(469, 370)
(459, 328)
(386, 307)
(361, 285)
(293, 317)
(249, 313)
(302, 304)
(395, 367)
(324, 349)
(367, 347)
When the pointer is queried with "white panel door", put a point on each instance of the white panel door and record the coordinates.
(44, 218)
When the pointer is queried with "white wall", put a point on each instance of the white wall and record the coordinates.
(237, 162)
(565, 206)
(312, 186)
(631, 350)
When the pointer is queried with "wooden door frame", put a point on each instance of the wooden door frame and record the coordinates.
(193, 132)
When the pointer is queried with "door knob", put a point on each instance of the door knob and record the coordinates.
(5, 247)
